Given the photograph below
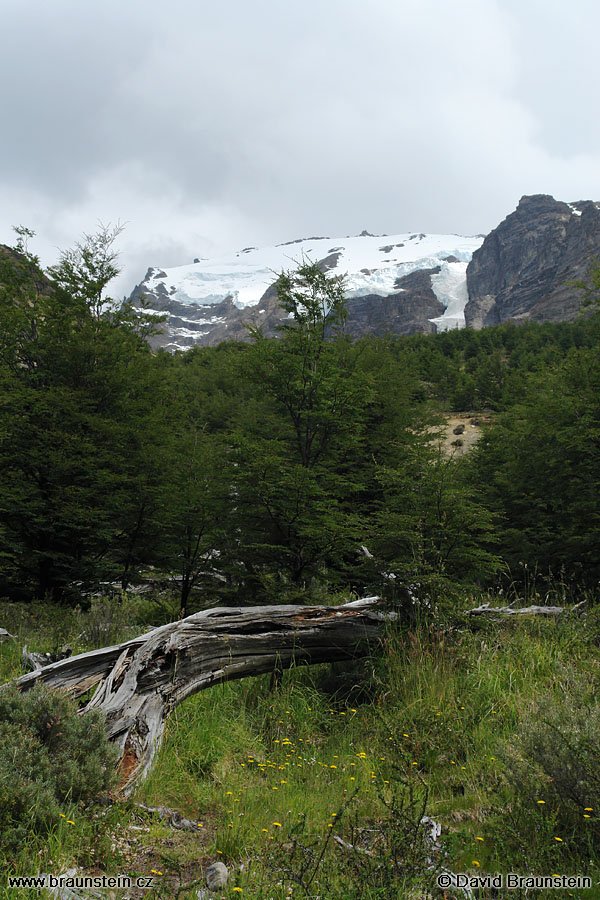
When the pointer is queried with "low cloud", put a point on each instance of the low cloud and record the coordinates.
(210, 127)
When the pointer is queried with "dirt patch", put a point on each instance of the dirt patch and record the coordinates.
(461, 431)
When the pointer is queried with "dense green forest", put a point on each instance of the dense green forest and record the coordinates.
(257, 471)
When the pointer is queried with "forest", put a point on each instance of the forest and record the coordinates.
(256, 472)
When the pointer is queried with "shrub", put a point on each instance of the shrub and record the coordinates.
(553, 775)
(49, 756)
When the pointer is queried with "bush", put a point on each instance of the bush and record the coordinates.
(553, 774)
(49, 756)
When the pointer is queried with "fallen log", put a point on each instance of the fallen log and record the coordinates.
(486, 610)
(139, 682)
(36, 661)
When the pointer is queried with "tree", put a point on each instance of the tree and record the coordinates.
(539, 468)
(431, 530)
(74, 397)
(297, 443)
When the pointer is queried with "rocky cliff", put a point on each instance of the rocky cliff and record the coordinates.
(525, 268)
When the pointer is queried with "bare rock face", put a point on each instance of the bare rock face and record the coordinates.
(207, 325)
(525, 267)
(407, 311)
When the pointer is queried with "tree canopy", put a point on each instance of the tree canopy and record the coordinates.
(257, 471)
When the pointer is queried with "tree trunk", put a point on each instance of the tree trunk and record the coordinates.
(139, 682)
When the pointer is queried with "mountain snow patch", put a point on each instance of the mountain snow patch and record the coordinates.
(450, 287)
(371, 265)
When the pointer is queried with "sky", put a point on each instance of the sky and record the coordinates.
(208, 127)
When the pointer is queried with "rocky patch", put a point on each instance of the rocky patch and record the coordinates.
(525, 268)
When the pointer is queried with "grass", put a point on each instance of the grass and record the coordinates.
(269, 776)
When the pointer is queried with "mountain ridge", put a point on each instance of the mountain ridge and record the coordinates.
(522, 270)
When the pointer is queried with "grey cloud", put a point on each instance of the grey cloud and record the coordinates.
(208, 125)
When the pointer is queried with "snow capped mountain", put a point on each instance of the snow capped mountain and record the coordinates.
(525, 269)
(422, 278)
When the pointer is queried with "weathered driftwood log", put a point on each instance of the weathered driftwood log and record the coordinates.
(486, 610)
(139, 682)
(36, 661)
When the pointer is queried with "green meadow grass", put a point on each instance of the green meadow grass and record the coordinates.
(270, 775)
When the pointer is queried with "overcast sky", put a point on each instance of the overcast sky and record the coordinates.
(210, 126)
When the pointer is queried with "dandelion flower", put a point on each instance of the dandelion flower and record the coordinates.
(558, 839)
(276, 824)
(541, 801)
(478, 838)
(70, 821)
(238, 889)
(475, 863)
